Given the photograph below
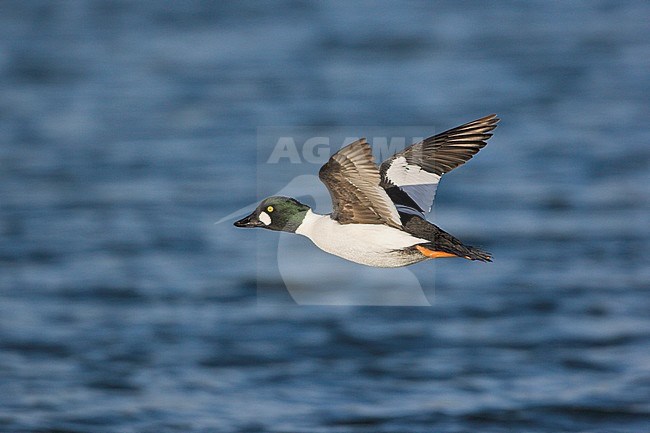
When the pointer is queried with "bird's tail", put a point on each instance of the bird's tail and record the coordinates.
(478, 254)
(445, 245)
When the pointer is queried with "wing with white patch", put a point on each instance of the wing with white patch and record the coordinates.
(411, 177)
(352, 178)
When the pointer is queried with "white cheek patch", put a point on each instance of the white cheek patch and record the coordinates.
(265, 218)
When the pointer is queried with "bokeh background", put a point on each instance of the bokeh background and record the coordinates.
(128, 128)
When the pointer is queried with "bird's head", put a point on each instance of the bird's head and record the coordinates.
(276, 213)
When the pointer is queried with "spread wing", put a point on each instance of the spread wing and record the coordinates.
(411, 177)
(352, 178)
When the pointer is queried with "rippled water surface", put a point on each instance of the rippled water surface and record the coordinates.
(128, 128)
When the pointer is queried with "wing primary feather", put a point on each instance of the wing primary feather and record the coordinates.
(353, 180)
(435, 155)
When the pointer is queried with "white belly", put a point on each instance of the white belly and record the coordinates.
(367, 244)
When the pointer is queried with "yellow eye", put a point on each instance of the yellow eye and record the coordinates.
(269, 209)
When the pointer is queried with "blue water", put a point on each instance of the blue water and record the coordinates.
(128, 128)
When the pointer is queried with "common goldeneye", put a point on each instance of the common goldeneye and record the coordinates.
(379, 213)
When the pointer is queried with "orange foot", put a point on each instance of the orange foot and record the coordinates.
(433, 254)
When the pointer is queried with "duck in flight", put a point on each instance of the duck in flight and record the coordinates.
(379, 213)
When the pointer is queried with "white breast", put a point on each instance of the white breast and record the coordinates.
(368, 244)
